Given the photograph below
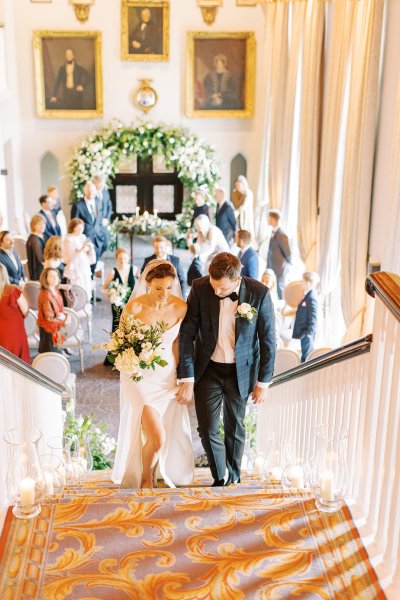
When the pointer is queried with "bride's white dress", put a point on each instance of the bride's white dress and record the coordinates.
(157, 389)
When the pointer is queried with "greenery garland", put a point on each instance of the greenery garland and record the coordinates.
(192, 157)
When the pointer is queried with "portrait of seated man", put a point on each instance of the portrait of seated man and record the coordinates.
(70, 85)
(146, 36)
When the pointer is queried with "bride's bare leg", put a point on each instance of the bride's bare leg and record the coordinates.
(155, 435)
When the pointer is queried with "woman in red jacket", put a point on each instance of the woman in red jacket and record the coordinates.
(51, 315)
(13, 309)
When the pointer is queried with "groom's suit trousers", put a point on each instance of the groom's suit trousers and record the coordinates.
(215, 389)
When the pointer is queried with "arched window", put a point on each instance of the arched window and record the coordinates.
(238, 167)
(49, 171)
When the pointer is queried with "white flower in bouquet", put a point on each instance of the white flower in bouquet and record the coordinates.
(127, 362)
(118, 293)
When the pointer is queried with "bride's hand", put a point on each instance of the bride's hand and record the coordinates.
(185, 393)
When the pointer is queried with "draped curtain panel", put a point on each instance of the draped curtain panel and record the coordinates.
(320, 127)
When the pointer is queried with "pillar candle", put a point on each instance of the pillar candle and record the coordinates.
(326, 482)
(146, 214)
(258, 464)
(275, 474)
(297, 477)
(27, 491)
(155, 212)
(137, 211)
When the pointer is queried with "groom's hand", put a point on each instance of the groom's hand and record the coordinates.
(185, 393)
(259, 394)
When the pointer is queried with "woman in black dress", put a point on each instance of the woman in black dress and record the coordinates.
(35, 247)
(118, 286)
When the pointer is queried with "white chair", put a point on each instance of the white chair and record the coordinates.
(31, 293)
(285, 359)
(32, 330)
(20, 247)
(56, 367)
(83, 308)
(318, 352)
(73, 334)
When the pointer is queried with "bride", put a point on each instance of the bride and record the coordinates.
(154, 438)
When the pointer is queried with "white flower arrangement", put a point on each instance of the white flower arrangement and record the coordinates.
(133, 347)
(118, 293)
(192, 157)
(245, 311)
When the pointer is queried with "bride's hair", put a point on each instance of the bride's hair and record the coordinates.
(165, 269)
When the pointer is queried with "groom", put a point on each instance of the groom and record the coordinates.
(224, 356)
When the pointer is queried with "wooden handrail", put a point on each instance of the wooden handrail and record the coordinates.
(22, 368)
(356, 348)
(387, 287)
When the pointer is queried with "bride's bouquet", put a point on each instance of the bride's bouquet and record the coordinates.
(133, 347)
(118, 293)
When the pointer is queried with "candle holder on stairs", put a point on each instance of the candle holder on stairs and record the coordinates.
(330, 472)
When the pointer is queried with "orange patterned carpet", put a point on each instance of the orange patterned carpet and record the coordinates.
(242, 542)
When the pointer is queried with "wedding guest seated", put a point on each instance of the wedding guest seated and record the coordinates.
(35, 247)
(118, 285)
(247, 255)
(52, 192)
(10, 259)
(51, 315)
(160, 245)
(305, 323)
(210, 239)
(195, 270)
(200, 208)
(225, 216)
(79, 254)
(47, 211)
(13, 310)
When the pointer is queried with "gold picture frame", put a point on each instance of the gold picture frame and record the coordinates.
(138, 17)
(63, 92)
(220, 74)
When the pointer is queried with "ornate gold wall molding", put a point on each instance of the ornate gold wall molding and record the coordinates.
(82, 9)
(209, 9)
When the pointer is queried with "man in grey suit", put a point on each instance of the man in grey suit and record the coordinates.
(224, 356)
(279, 254)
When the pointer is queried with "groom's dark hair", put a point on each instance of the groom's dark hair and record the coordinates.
(223, 265)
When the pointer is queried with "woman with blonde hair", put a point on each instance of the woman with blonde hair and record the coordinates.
(79, 254)
(243, 200)
(53, 254)
(13, 310)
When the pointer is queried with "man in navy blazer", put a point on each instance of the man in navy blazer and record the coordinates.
(224, 356)
(247, 255)
(279, 253)
(160, 244)
(305, 323)
(225, 218)
(10, 259)
(89, 210)
(47, 204)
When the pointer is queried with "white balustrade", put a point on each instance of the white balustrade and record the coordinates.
(25, 403)
(362, 394)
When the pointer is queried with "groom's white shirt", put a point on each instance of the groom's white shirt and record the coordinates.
(225, 348)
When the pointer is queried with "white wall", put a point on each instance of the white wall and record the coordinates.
(121, 79)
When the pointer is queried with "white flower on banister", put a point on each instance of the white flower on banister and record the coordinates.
(245, 311)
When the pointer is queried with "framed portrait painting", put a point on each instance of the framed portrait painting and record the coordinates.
(220, 74)
(68, 74)
(144, 30)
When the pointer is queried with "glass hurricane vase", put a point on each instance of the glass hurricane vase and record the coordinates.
(275, 460)
(53, 475)
(25, 479)
(330, 473)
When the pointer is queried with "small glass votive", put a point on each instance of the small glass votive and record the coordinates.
(274, 460)
(330, 467)
(60, 446)
(296, 475)
(53, 475)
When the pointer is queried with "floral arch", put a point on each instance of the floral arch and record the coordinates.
(192, 157)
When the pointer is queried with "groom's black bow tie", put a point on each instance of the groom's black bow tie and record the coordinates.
(232, 296)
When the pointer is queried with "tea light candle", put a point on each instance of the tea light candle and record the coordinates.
(27, 491)
(327, 491)
(276, 474)
(297, 477)
(48, 477)
(146, 214)
(137, 211)
(258, 464)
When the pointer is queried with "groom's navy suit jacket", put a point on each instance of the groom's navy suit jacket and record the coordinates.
(255, 340)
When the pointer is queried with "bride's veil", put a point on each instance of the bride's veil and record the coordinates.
(141, 285)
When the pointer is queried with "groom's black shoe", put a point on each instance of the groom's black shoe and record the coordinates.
(218, 483)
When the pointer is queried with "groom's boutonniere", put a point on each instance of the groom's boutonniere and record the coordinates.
(245, 311)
